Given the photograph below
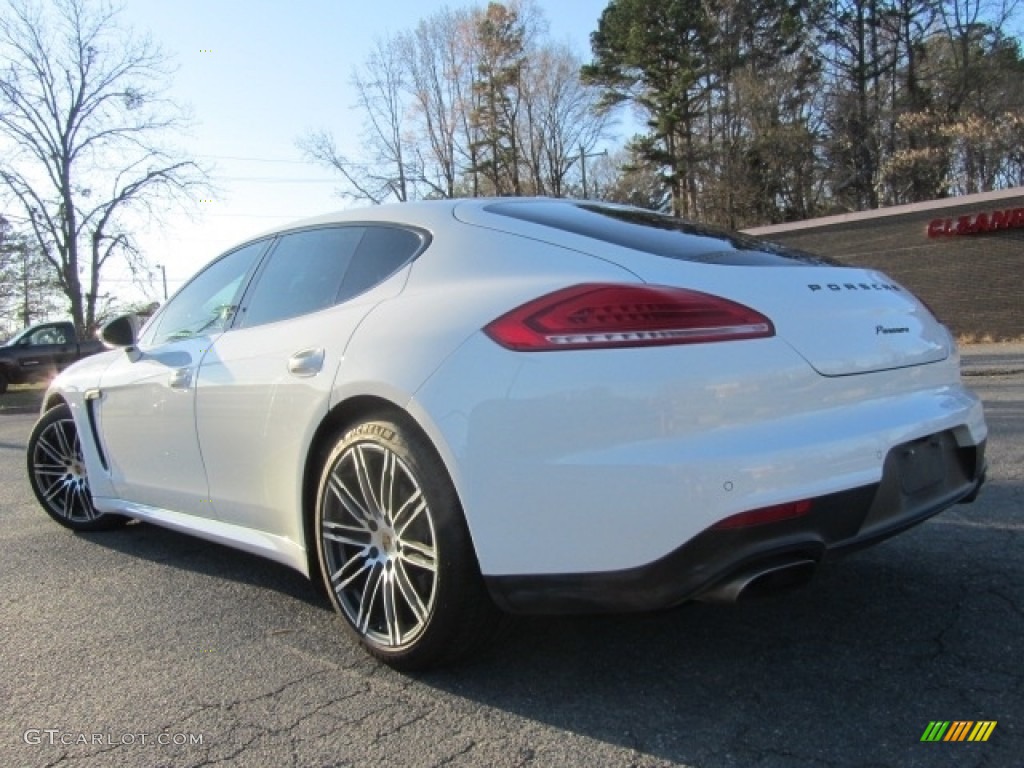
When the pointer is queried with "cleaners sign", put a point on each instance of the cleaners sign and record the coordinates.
(976, 223)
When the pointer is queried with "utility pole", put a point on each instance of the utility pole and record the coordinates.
(26, 311)
(583, 165)
(163, 272)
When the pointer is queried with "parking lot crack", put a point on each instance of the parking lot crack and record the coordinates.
(449, 759)
(401, 726)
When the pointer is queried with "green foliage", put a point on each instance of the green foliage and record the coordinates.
(28, 293)
(750, 111)
(765, 111)
(500, 41)
(684, 64)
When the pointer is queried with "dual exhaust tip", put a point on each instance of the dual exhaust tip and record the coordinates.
(761, 580)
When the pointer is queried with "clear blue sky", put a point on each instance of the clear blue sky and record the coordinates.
(275, 69)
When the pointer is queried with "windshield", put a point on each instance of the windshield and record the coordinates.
(14, 339)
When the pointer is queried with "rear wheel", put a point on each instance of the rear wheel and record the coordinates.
(56, 471)
(395, 553)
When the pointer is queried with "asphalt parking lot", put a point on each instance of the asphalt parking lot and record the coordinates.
(143, 647)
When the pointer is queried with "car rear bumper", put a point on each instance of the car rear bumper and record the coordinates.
(920, 479)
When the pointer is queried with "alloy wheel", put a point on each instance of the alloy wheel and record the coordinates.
(380, 545)
(58, 471)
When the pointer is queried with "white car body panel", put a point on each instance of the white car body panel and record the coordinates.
(839, 332)
(146, 417)
(841, 321)
(565, 462)
(696, 431)
(256, 419)
(446, 300)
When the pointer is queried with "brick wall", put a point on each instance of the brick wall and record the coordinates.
(973, 282)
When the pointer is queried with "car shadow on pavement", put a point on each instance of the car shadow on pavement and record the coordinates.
(161, 545)
(849, 671)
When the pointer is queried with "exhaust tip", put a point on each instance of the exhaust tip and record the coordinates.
(762, 580)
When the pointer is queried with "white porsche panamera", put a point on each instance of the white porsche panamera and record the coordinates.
(452, 409)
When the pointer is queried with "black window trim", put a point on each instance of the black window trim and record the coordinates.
(238, 321)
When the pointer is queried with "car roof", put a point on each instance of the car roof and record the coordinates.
(422, 213)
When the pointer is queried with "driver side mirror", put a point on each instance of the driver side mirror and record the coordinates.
(121, 332)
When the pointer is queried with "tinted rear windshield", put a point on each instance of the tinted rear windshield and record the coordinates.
(658, 234)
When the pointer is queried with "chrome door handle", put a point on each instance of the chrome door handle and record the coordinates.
(180, 378)
(306, 362)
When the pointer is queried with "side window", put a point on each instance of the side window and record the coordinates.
(303, 274)
(382, 252)
(207, 304)
(48, 334)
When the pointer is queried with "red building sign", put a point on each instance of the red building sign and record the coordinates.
(976, 223)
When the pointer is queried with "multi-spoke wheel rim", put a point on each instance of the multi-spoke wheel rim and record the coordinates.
(59, 472)
(379, 544)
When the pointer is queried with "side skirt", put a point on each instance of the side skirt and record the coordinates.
(276, 548)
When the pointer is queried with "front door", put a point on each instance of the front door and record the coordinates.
(147, 419)
(147, 398)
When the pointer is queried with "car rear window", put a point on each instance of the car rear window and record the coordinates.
(381, 253)
(657, 233)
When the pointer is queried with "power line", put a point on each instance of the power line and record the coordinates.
(257, 159)
(279, 179)
(259, 215)
(347, 164)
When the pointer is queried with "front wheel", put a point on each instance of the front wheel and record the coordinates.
(395, 552)
(56, 471)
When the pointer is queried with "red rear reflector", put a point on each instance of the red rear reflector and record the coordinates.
(764, 515)
(598, 316)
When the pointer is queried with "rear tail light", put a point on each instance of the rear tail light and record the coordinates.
(762, 515)
(599, 316)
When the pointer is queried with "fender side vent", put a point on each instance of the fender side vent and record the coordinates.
(90, 412)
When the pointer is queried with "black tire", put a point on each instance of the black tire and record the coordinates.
(3, 382)
(56, 471)
(395, 553)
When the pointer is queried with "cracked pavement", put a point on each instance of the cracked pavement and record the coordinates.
(145, 631)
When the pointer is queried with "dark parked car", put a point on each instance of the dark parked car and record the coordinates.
(39, 352)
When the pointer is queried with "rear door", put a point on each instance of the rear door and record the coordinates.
(264, 388)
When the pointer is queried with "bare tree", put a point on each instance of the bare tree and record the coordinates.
(501, 39)
(440, 59)
(561, 119)
(628, 178)
(467, 102)
(84, 118)
(380, 87)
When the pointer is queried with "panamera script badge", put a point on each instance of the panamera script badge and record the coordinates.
(883, 329)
